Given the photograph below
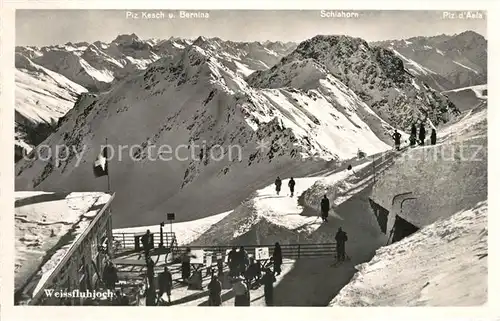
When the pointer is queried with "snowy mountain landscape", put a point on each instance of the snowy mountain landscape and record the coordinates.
(322, 111)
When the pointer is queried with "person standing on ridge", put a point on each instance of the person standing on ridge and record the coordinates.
(413, 130)
(413, 135)
(433, 137)
(421, 134)
(397, 139)
(291, 185)
(341, 238)
(277, 183)
(325, 207)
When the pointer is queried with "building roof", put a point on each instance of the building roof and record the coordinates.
(46, 227)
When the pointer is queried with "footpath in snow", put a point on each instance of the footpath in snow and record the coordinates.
(266, 218)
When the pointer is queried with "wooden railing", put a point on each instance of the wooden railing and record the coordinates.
(127, 241)
(294, 251)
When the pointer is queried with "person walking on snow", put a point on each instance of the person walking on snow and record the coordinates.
(397, 139)
(325, 207)
(341, 238)
(421, 134)
(433, 137)
(277, 183)
(291, 185)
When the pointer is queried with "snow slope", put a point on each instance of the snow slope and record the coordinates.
(445, 178)
(47, 225)
(194, 98)
(444, 264)
(42, 96)
(456, 61)
(375, 74)
(48, 79)
(467, 97)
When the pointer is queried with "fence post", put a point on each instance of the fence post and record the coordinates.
(123, 238)
(299, 251)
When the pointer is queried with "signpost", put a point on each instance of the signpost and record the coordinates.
(170, 218)
(198, 258)
(261, 253)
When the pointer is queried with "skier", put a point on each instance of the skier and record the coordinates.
(214, 291)
(165, 284)
(433, 137)
(397, 139)
(325, 207)
(421, 134)
(277, 183)
(291, 185)
(268, 279)
(341, 238)
(277, 258)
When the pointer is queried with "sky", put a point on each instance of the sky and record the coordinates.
(49, 27)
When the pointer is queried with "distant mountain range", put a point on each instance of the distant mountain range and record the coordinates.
(289, 108)
(444, 62)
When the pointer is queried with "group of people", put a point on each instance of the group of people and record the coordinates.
(413, 136)
(291, 185)
(244, 272)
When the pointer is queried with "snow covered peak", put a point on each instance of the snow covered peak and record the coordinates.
(456, 61)
(126, 39)
(375, 74)
(200, 41)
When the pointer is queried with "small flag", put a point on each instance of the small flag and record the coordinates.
(101, 164)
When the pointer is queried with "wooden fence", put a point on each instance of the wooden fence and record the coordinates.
(127, 242)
